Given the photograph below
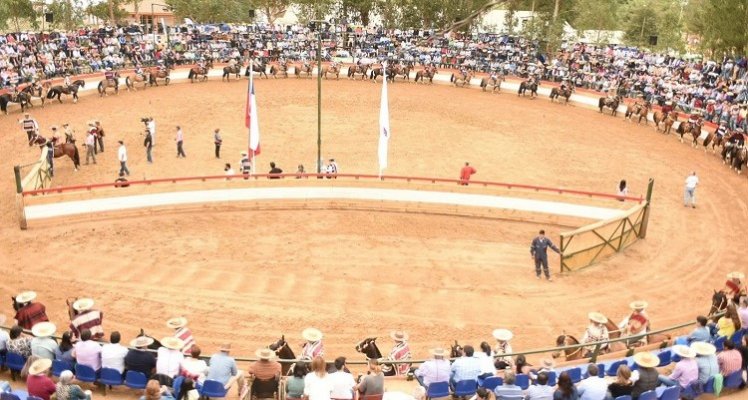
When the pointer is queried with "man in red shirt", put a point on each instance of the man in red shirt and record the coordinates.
(465, 173)
(28, 313)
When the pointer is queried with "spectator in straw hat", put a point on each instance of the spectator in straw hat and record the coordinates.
(313, 346)
(181, 331)
(169, 358)
(43, 345)
(223, 368)
(266, 367)
(85, 317)
(685, 372)
(38, 383)
(29, 313)
(434, 370)
(113, 353)
(193, 367)
(706, 360)
(400, 352)
(648, 378)
(503, 336)
(139, 359)
(596, 331)
(87, 352)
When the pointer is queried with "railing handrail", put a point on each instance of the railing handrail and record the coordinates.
(147, 182)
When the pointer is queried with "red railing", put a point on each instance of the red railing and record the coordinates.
(64, 189)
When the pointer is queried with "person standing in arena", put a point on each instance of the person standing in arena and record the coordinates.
(30, 126)
(99, 136)
(218, 141)
(465, 173)
(689, 194)
(122, 157)
(539, 253)
(180, 141)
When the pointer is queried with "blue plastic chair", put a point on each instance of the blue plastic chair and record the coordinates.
(437, 389)
(734, 380)
(575, 374)
(626, 397)
(466, 388)
(692, 391)
(85, 373)
(492, 382)
(648, 395)
(213, 388)
(13, 396)
(59, 365)
(15, 363)
(109, 377)
(709, 385)
(552, 378)
(665, 358)
(523, 381)
(135, 380)
(33, 398)
(671, 393)
(613, 368)
(177, 386)
(720, 343)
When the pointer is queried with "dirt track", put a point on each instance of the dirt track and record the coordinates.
(251, 276)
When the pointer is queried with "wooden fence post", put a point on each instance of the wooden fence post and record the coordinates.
(645, 219)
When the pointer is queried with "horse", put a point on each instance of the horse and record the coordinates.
(24, 99)
(305, 68)
(376, 72)
(739, 159)
(557, 93)
(369, 348)
(281, 68)
(37, 90)
(689, 127)
(719, 303)
(197, 72)
(72, 89)
(228, 70)
(494, 82)
(524, 87)
(614, 333)
(638, 110)
(143, 78)
(461, 80)
(333, 70)
(403, 70)
(609, 103)
(358, 69)
(60, 149)
(283, 352)
(708, 139)
(106, 83)
(659, 117)
(259, 68)
(455, 351)
(429, 73)
(156, 74)
(565, 340)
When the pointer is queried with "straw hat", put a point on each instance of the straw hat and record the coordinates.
(684, 351)
(265, 354)
(25, 297)
(39, 366)
(438, 352)
(646, 359)
(225, 347)
(703, 348)
(399, 336)
(638, 305)
(311, 334)
(547, 363)
(141, 341)
(43, 329)
(597, 317)
(177, 322)
(502, 334)
(83, 304)
(171, 342)
(736, 275)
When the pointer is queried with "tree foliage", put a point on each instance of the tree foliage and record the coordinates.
(644, 19)
(211, 11)
(68, 14)
(722, 25)
(13, 13)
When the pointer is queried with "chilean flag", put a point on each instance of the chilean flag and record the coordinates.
(250, 119)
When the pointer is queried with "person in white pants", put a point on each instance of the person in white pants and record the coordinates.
(689, 195)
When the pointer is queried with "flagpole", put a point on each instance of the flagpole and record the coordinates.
(249, 136)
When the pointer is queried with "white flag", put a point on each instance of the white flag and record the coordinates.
(384, 124)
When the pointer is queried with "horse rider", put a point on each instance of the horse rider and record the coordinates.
(638, 309)
(83, 316)
(695, 120)
(232, 63)
(245, 164)
(721, 130)
(161, 66)
(201, 63)
(182, 332)
(667, 109)
(596, 331)
(400, 352)
(55, 135)
(502, 336)
(313, 346)
(139, 70)
(69, 133)
(564, 85)
(29, 313)
(109, 75)
(30, 126)
(735, 287)
(639, 103)
(66, 82)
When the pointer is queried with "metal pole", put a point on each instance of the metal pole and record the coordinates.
(153, 22)
(319, 101)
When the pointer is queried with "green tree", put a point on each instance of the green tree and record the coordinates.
(108, 10)
(68, 14)
(211, 11)
(721, 25)
(16, 12)
(596, 15)
(273, 9)
(643, 19)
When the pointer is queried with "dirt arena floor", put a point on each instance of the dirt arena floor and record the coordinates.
(249, 277)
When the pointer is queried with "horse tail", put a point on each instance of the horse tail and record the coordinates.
(76, 157)
(192, 74)
(128, 84)
(4, 105)
(101, 87)
(452, 78)
(52, 93)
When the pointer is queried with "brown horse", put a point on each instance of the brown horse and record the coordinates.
(570, 354)
(689, 128)
(375, 72)
(403, 70)
(155, 74)
(282, 68)
(461, 80)
(614, 333)
(131, 80)
(37, 90)
(358, 69)
(493, 81)
(333, 70)
(283, 352)
(612, 104)
(200, 73)
(24, 99)
(708, 139)
(60, 149)
(228, 70)
(304, 68)
(106, 84)
(424, 74)
(557, 93)
(59, 90)
(638, 110)
(667, 122)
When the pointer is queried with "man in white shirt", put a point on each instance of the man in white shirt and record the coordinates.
(169, 357)
(180, 141)
(540, 391)
(122, 157)
(151, 126)
(113, 354)
(594, 387)
(90, 147)
(342, 382)
(689, 196)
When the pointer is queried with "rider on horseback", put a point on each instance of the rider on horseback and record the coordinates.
(636, 323)
(639, 103)
(696, 120)
(161, 66)
(109, 75)
(313, 346)
(69, 133)
(503, 336)
(400, 352)
(734, 287)
(667, 109)
(66, 82)
(564, 85)
(596, 331)
(139, 70)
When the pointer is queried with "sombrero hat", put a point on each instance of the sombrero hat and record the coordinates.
(171, 342)
(646, 359)
(502, 334)
(43, 329)
(265, 354)
(176, 322)
(439, 352)
(225, 347)
(399, 336)
(547, 363)
(597, 317)
(311, 334)
(83, 304)
(39, 366)
(684, 351)
(141, 341)
(25, 297)
(703, 348)
(638, 305)
(736, 275)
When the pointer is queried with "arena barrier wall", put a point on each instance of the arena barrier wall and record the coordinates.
(589, 244)
(39, 177)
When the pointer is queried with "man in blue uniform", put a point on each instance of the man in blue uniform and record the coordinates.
(538, 252)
